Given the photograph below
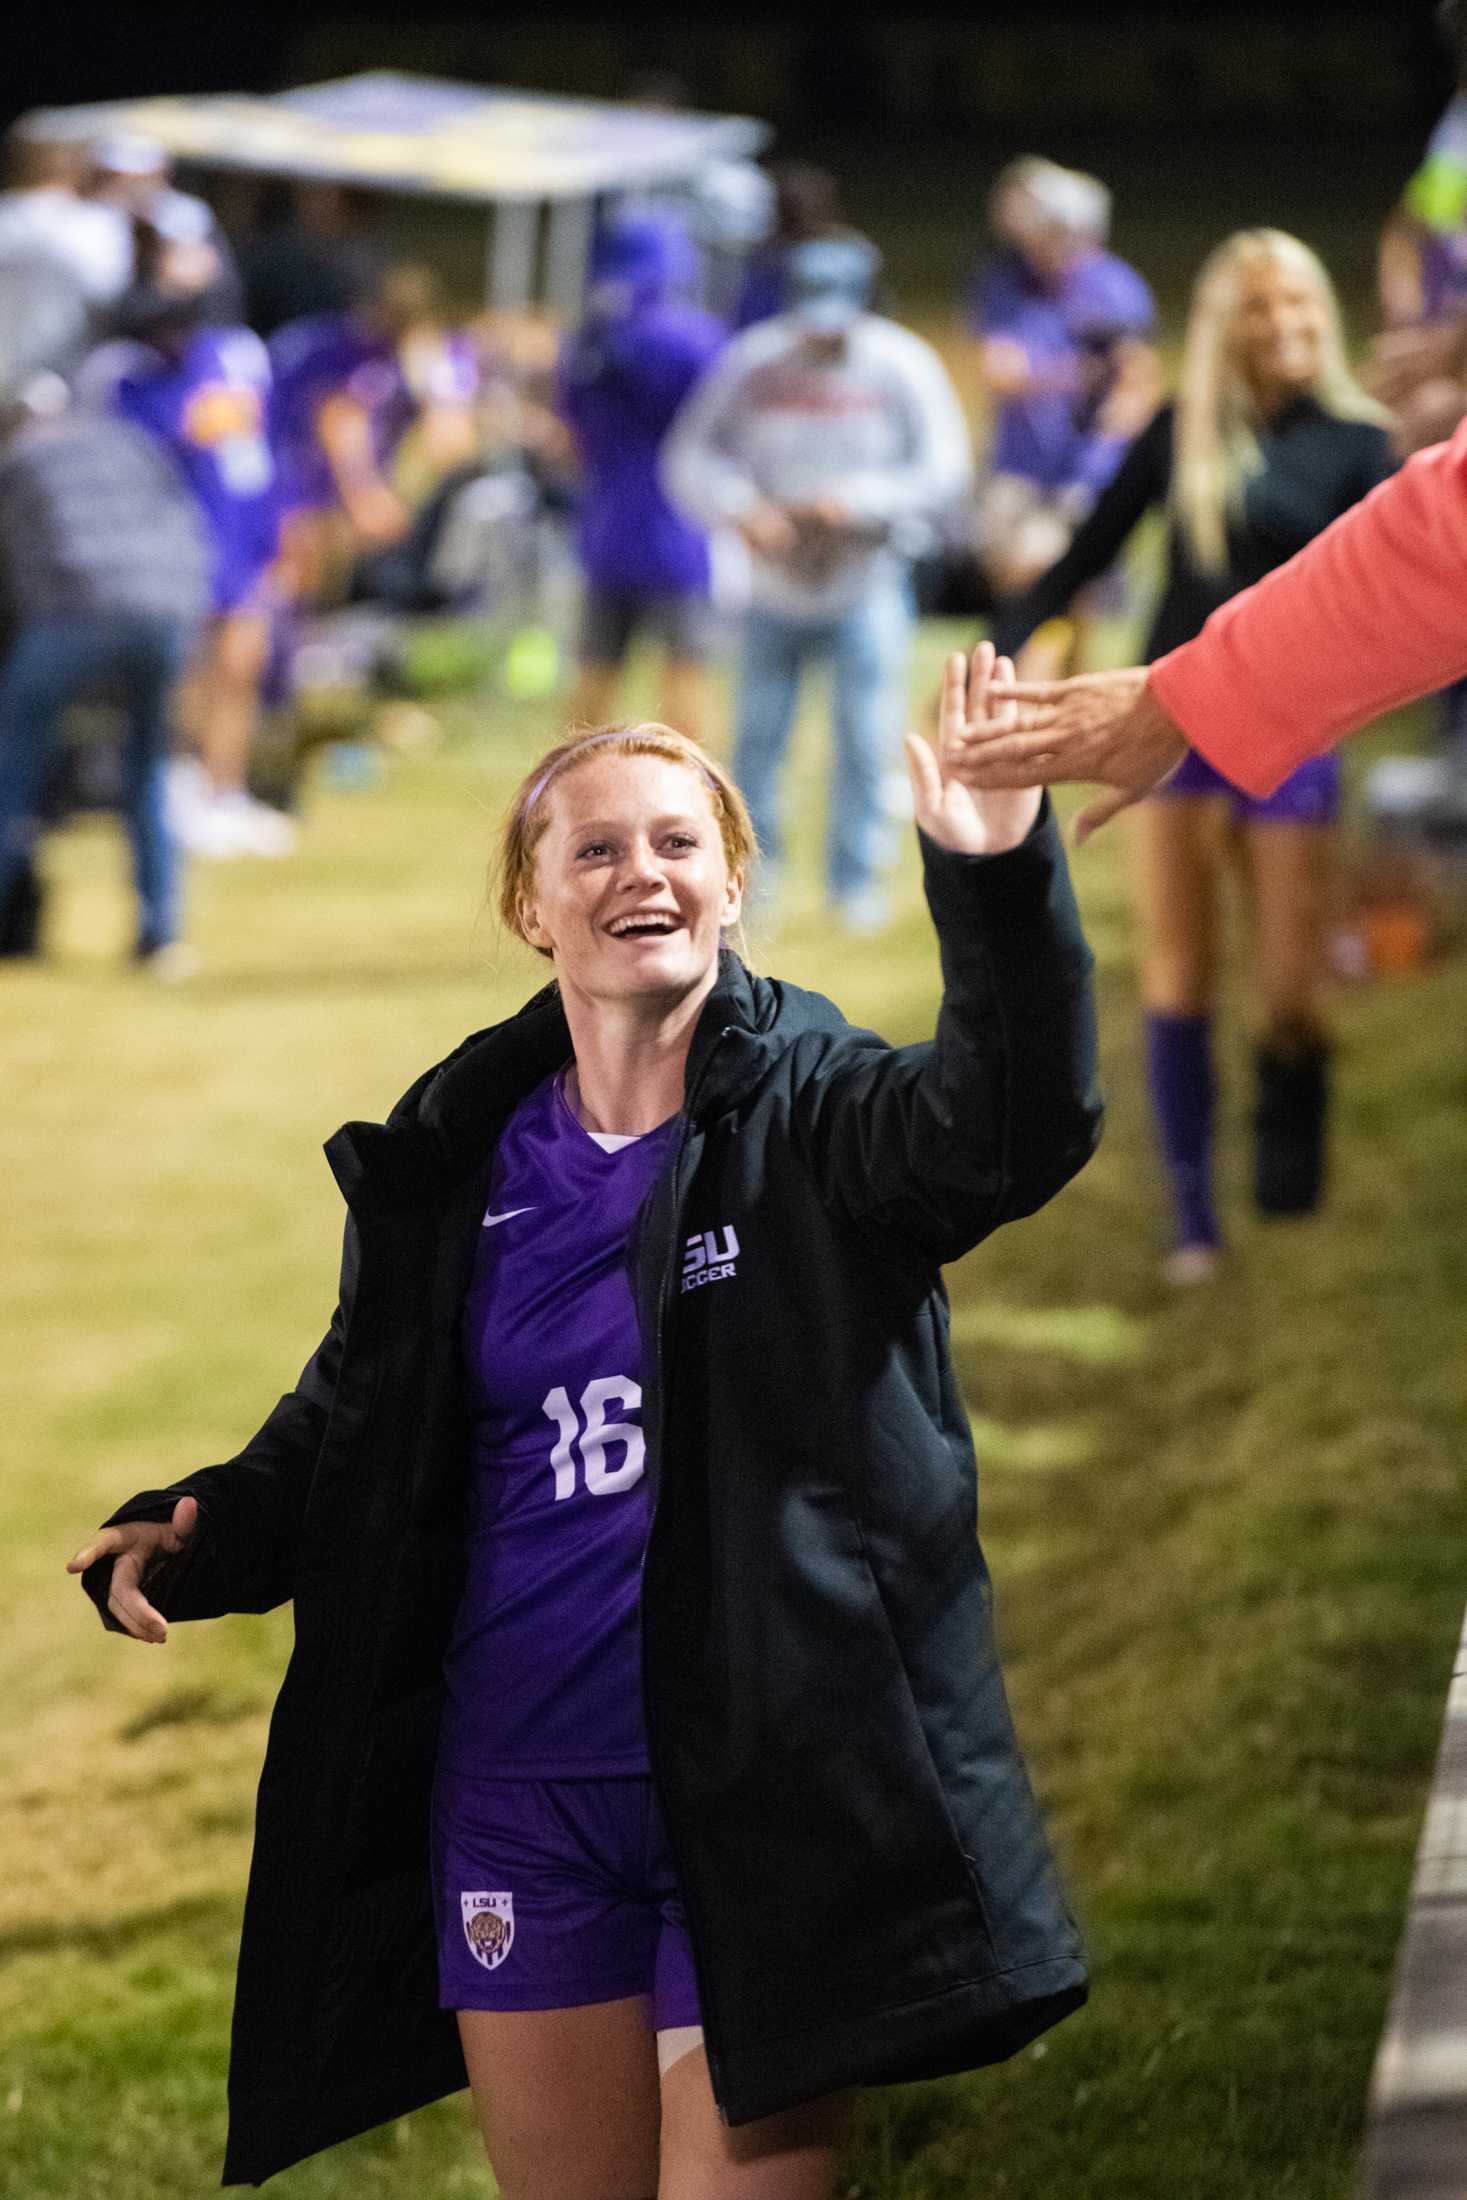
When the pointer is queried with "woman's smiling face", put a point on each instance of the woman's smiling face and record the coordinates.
(1278, 331)
(631, 891)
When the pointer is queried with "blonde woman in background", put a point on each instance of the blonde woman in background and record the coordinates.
(1269, 438)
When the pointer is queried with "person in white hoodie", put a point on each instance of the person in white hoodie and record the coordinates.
(829, 438)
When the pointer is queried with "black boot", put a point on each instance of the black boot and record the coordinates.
(20, 913)
(1289, 1126)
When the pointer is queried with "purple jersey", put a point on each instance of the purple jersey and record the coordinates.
(209, 406)
(329, 355)
(1436, 198)
(543, 1673)
(1069, 332)
(336, 355)
(619, 384)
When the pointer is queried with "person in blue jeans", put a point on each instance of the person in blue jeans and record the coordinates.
(54, 661)
(829, 438)
(105, 576)
(867, 648)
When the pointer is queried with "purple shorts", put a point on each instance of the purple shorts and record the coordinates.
(246, 589)
(1309, 796)
(553, 1893)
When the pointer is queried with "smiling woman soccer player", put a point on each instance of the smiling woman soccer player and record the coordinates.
(644, 1750)
(1269, 440)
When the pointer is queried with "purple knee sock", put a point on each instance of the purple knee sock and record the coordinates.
(1179, 1073)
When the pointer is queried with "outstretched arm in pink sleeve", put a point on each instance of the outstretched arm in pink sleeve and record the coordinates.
(1370, 614)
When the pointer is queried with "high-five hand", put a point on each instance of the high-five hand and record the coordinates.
(952, 807)
(1105, 726)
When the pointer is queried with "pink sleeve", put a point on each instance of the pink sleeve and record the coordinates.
(1371, 614)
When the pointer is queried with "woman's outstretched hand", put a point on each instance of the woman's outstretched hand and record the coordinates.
(952, 806)
(1104, 726)
(134, 1546)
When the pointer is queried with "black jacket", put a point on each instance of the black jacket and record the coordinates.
(1314, 466)
(868, 1889)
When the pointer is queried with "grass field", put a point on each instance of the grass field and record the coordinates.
(1226, 1527)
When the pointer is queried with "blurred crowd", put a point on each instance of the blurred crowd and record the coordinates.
(216, 445)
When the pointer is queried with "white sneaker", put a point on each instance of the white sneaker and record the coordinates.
(234, 824)
(174, 963)
(200, 819)
(187, 796)
(212, 833)
(255, 828)
(208, 835)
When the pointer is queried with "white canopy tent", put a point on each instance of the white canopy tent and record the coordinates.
(538, 165)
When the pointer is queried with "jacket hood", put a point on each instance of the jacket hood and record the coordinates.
(638, 260)
(440, 1130)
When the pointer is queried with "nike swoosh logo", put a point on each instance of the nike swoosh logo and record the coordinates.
(508, 1216)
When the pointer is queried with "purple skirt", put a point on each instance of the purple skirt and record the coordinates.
(1309, 796)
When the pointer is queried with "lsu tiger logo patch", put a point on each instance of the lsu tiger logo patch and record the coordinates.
(488, 1927)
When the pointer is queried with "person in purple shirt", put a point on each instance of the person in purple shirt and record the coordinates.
(676, 1232)
(621, 377)
(204, 392)
(1418, 362)
(1064, 356)
(346, 389)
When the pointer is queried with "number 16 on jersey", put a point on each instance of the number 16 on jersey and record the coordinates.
(589, 1434)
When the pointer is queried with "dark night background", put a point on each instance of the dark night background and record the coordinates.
(1177, 72)
(1310, 119)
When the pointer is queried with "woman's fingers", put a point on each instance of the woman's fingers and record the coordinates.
(127, 1604)
(1003, 711)
(977, 697)
(951, 702)
(137, 1618)
(1100, 813)
(132, 1546)
(1033, 706)
(185, 1519)
(144, 1535)
(1004, 759)
(102, 1545)
(926, 774)
(980, 673)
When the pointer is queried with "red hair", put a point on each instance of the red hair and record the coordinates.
(528, 814)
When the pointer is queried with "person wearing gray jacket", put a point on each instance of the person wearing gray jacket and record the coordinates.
(104, 579)
(829, 438)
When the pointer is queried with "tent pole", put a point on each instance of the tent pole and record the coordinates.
(512, 255)
(567, 255)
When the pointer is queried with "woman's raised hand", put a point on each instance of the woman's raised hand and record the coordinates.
(135, 1545)
(951, 807)
(1104, 726)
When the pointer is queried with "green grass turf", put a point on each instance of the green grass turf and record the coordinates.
(1225, 1527)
